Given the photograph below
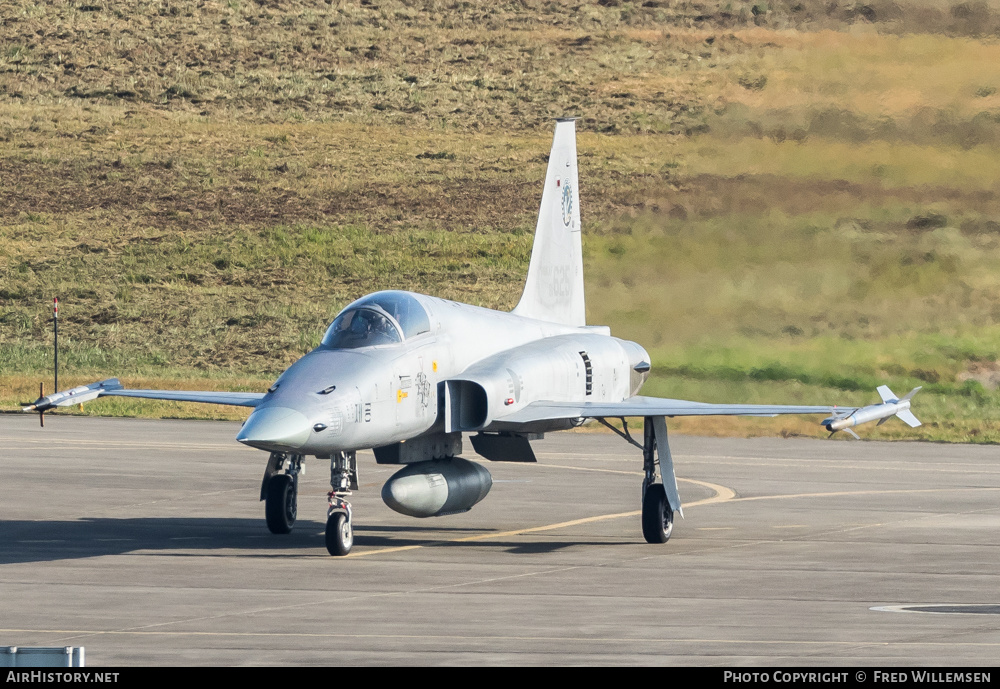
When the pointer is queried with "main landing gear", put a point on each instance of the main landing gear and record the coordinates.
(659, 496)
(657, 515)
(280, 491)
(343, 480)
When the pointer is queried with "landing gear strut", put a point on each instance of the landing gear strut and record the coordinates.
(280, 491)
(657, 514)
(343, 480)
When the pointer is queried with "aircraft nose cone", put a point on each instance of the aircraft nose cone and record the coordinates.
(278, 429)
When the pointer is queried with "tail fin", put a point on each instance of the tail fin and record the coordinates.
(554, 288)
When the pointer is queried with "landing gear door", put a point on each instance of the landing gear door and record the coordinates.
(667, 464)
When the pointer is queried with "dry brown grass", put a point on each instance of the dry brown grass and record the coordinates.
(874, 75)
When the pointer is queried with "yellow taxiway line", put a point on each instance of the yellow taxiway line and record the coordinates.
(721, 495)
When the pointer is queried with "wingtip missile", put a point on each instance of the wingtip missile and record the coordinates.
(77, 395)
(890, 406)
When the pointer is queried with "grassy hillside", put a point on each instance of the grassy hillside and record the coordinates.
(782, 201)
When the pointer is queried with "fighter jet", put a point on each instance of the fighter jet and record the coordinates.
(407, 375)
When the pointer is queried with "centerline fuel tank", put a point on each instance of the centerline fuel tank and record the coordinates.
(437, 487)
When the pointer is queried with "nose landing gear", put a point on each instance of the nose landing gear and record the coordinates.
(343, 480)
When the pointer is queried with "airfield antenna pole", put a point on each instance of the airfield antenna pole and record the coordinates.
(55, 330)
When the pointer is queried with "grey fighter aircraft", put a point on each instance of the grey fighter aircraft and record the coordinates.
(408, 374)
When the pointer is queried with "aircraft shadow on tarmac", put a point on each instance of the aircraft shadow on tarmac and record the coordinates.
(46, 541)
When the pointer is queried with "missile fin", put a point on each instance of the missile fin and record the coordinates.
(886, 394)
(908, 418)
(911, 393)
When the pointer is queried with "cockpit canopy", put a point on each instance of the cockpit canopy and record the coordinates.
(379, 319)
(362, 327)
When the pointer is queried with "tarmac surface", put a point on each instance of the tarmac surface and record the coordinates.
(144, 542)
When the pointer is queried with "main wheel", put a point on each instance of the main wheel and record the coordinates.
(280, 505)
(657, 517)
(339, 534)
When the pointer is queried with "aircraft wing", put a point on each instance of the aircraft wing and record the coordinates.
(112, 387)
(657, 406)
(236, 399)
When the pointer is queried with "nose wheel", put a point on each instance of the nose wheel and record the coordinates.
(339, 531)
